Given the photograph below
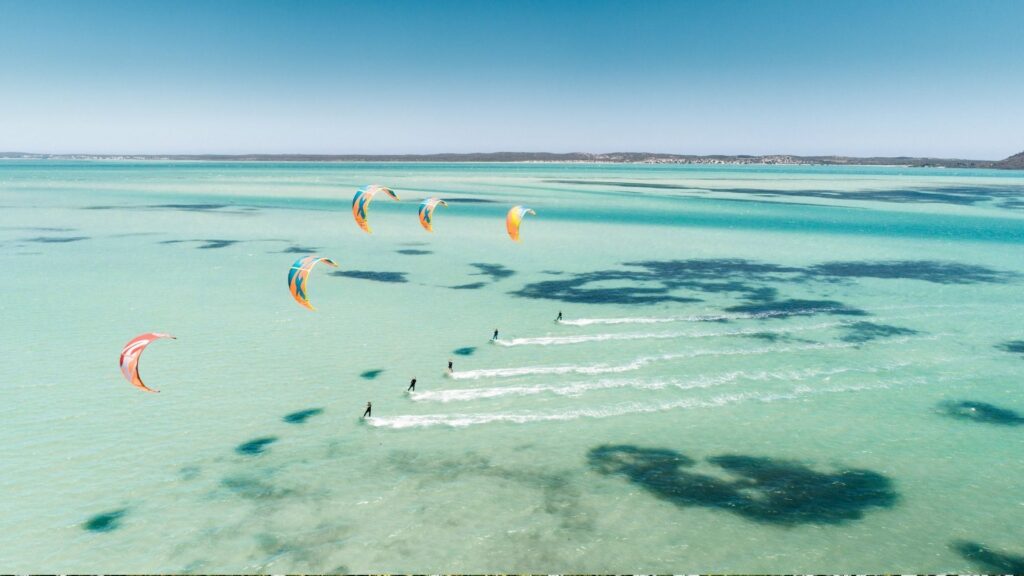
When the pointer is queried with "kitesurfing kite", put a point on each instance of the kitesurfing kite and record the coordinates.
(361, 203)
(132, 353)
(427, 212)
(298, 277)
(514, 219)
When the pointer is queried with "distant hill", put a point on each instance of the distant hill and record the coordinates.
(1015, 162)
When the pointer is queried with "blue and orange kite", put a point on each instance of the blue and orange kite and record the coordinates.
(361, 203)
(427, 212)
(298, 277)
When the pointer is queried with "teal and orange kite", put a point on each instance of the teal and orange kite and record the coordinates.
(298, 277)
(361, 203)
(427, 212)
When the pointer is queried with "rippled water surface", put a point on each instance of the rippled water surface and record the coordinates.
(780, 369)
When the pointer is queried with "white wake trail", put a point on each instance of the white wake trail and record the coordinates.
(581, 339)
(731, 316)
(697, 318)
(636, 364)
(579, 388)
(630, 408)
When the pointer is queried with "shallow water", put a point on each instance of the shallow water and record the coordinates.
(760, 369)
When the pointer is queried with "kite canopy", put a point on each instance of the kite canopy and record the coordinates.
(361, 203)
(427, 212)
(132, 353)
(298, 277)
(514, 219)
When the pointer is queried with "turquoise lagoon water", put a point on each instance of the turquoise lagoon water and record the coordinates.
(761, 369)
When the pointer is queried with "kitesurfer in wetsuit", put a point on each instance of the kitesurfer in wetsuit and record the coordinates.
(450, 369)
(412, 385)
(495, 337)
(559, 319)
(369, 408)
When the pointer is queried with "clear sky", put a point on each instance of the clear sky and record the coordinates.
(859, 77)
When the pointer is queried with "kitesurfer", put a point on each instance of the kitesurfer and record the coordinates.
(412, 386)
(559, 319)
(495, 337)
(369, 408)
(450, 368)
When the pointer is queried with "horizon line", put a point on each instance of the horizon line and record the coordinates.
(12, 153)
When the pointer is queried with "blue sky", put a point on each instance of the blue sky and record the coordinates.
(819, 77)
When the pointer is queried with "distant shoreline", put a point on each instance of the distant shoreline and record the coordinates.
(1015, 162)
